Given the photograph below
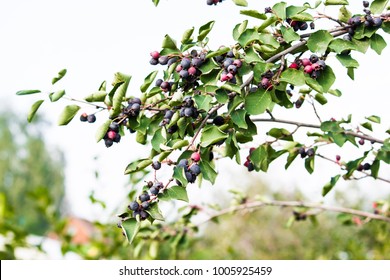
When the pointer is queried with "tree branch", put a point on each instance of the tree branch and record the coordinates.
(260, 204)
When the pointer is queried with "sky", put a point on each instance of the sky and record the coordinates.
(95, 39)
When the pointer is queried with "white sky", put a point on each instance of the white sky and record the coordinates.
(95, 39)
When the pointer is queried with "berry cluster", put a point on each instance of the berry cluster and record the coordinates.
(161, 59)
(192, 170)
(365, 166)
(230, 66)
(188, 69)
(248, 164)
(112, 135)
(140, 206)
(213, 2)
(297, 25)
(306, 153)
(84, 117)
(312, 66)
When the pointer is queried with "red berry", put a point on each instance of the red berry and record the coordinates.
(293, 65)
(251, 150)
(155, 54)
(306, 61)
(308, 69)
(338, 157)
(192, 70)
(111, 134)
(195, 157)
(224, 77)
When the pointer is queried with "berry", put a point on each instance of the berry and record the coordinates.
(251, 167)
(302, 152)
(361, 141)
(227, 62)
(367, 166)
(158, 185)
(183, 163)
(172, 60)
(312, 25)
(83, 117)
(210, 2)
(168, 114)
(165, 86)
(232, 69)
(159, 82)
(136, 100)
(237, 63)
(195, 169)
(111, 134)
(184, 74)
(219, 120)
(321, 64)
(366, 4)
(144, 197)
(155, 54)
(134, 206)
(303, 25)
(190, 177)
(268, 10)
(293, 66)
(108, 142)
(195, 156)
(313, 58)
(114, 126)
(308, 69)
(347, 37)
(156, 165)
(135, 107)
(153, 61)
(145, 205)
(173, 129)
(143, 214)
(188, 112)
(192, 70)
(163, 60)
(377, 22)
(310, 152)
(224, 77)
(188, 101)
(196, 62)
(306, 62)
(117, 138)
(338, 157)
(91, 118)
(185, 63)
(154, 190)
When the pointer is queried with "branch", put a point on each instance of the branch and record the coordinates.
(260, 204)
(298, 124)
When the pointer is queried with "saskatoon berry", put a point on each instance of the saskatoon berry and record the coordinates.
(135, 213)
(163, 60)
(154, 190)
(227, 62)
(312, 25)
(183, 73)
(310, 152)
(338, 157)
(230, 54)
(155, 54)
(251, 167)
(367, 166)
(268, 10)
(232, 69)
(185, 63)
(192, 71)
(83, 117)
(165, 86)
(153, 61)
(111, 134)
(196, 62)
(219, 120)
(361, 141)
(144, 197)
(117, 138)
(114, 126)
(210, 2)
(135, 107)
(313, 58)
(168, 114)
(195, 156)
(305, 62)
(156, 165)
(302, 152)
(134, 206)
(366, 4)
(171, 61)
(303, 25)
(377, 22)
(188, 112)
(188, 102)
(91, 118)
(136, 100)
(158, 185)
(183, 163)
(173, 129)
(237, 62)
(360, 167)
(321, 64)
(195, 169)
(308, 69)
(347, 37)
(108, 142)
(145, 205)
(143, 214)
(190, 177)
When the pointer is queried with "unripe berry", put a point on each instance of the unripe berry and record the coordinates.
(338, 157)
(155, 54)
(111, 134)
(308, 69)
(293, 66)
(306, 61)
(195, 156)
(192, 70)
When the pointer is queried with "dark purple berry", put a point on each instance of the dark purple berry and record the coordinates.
(145, 205)
(108, 142)
(163, 60)
(144, 197)
(154, 190)
(168, 114)
(313, 58)
(268, 10)
(153, 61)
(114, 126)
(367, 166)
(156, 165)
(91, 118)
(183, 163)
(227, 62)
(377, 22)
(195, 169)
(366, 4)
(303, 25)
(188, 112)
(219, 120)
(185, 63)
(361, 141)
(117, 138)
(84, 117)
(310, 152)
(173, 129)
(135, 107)
(172, 60)
(190, 177)
(133, 206)
(143, 214)
(183, 73)
(312, 25)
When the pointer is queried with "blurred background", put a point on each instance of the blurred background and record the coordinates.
(60, 191)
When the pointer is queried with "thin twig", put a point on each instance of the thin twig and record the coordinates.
(260, 204)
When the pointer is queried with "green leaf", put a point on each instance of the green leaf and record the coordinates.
(155, 212)
(98, 96)
(293, 10)
(377, 43)
(314, 84)
(293, 76)
(267, 23)
(148, 81)
(374, 119)
(231, 87)
(55, 96)
(344, 14)
(253, 13)
(362, 44)
(174, 192)
(375, 168)
(102, 130)
(280, 10)
(367, 125)
(335, 92)
(178, 174)
(327, 78)
(309, 164)
(351, 73)
(238, 117)
(187, 36)
(336, 2)
(347, 61)
(68, 114)
(204, 30)
(257, 102)
(341, 45)
(138, 165)
(386, 27)
(203, 102)
(248, 36)
(155, 2)
(169, 43)
(289, 35)
(239, 28)
(252, 56)
(130, 228)
(120, 93)
(321, 98)
(157, 139)
(28, 91)
(61, 74)
(331, 126)
(378, 6)
(280, 133)
(242, 3)
(211, 135)
(180, 144)
(207, 171)
(319, 41)
(34, 109)
(329, 186)
(302, 17)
